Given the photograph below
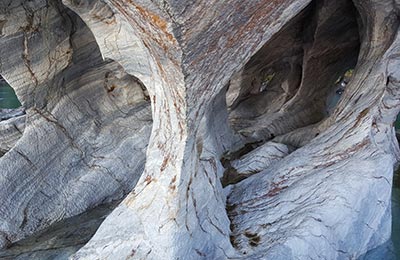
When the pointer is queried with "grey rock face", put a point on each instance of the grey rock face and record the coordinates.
(242, 160)
(86, 126)
(62, 239)
(12, 125)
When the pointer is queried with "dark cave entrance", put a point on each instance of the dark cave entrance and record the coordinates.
(292, 84)
(296, 79)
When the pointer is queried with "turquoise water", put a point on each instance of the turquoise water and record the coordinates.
(397, 123)
(391, 249)
(8, 99)
(396, 215)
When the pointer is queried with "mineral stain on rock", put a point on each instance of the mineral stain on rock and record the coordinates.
(233, 129)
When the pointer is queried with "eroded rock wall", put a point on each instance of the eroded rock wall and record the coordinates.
(86, 126)
(242, 160)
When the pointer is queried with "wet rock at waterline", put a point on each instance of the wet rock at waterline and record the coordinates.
(83, 135)
(62, 239)
(230, 128)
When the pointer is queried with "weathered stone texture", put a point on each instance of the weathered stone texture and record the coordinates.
(86, 126)
(246, 155)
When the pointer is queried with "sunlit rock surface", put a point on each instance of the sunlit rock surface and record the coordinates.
(215, 117)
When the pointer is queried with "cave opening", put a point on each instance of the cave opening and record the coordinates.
(278, 100)
(295, 73)
(337, 91)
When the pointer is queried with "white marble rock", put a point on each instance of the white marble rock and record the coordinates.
(151, 100)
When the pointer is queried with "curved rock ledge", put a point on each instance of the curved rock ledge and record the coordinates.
(214, 118)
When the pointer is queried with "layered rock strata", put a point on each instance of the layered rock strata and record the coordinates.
(242, 158)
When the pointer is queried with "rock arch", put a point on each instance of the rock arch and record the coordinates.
(188, 55)
(87, 120)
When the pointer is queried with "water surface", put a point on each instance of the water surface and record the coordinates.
(8, 99)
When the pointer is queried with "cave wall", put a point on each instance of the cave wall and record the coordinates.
(82, 135)
(296, 181)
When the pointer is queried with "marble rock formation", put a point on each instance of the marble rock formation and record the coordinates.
(209, 118)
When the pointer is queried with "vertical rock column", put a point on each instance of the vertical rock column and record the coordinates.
(141, 40)
(185, 54)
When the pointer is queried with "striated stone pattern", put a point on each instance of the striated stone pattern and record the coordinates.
(213, 118)
(82, 137)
